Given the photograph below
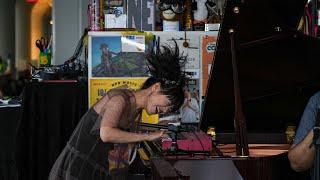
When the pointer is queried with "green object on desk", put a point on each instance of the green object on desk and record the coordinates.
(3, 65)
(45, 58)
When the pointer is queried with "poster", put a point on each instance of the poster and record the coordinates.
(208, 46)
(133, 43)
(99, 87)
(192, 51)
(190, 110)
(117, 56)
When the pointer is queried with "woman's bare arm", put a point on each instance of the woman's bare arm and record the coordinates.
(109, 131)
(115, 135)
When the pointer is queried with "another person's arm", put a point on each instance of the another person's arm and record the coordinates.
(301, 156)
(115, 135)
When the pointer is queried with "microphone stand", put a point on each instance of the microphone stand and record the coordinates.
(316, 144)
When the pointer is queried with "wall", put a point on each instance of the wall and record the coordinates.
(7, 27)
(40, 21)
(22, 33)
(69, 21)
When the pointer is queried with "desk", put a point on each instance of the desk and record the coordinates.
(9, 118)
(50, 113)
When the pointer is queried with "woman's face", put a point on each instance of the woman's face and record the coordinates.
(157, 103)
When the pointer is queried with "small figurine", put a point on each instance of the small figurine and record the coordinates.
(171, 11)
(200, 15)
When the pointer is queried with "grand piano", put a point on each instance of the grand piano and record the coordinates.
(264, 72)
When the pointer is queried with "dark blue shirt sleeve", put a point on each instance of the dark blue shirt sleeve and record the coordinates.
(308, 119)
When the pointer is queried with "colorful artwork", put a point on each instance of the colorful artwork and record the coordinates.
(99, 87)
(111, 56)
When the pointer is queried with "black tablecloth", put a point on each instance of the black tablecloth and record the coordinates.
(50, 113)
(9, 118)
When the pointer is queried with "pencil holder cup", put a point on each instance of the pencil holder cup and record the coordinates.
(45, 58)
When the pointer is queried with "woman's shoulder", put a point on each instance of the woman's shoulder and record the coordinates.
(125, 93)
(118, 95)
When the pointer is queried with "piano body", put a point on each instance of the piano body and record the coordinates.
(276, 70)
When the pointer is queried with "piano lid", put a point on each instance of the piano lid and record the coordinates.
(279, 68)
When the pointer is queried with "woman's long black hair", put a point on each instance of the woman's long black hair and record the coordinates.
(166, 68)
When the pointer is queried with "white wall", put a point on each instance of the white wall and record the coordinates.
(69, 21)
(6, 27)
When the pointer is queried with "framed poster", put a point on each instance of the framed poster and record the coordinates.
(113, 54)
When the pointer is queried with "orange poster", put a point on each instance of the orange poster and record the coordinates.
(208, 46)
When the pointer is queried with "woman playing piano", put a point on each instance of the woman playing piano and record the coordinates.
(97, 147)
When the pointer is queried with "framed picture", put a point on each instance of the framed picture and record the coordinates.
(113, 54)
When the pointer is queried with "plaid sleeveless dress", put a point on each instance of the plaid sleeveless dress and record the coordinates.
(86, 156)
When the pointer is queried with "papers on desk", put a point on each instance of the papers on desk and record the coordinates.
(8, 103)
